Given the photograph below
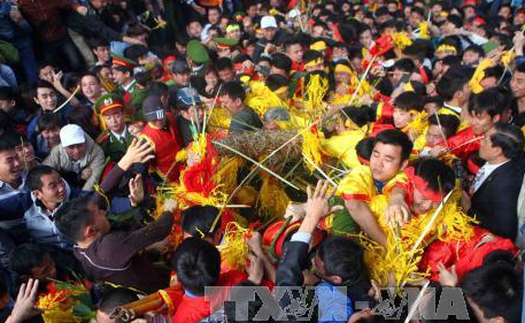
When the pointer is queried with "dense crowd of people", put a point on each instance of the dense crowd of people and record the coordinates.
(150, 149)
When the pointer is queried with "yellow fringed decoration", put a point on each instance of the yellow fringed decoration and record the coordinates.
(508, 57)
(219, 121)
(423, 30)
(234, 250)
(273, 200)
(478, 76)
(316, 89)
(227, 173)
(312, 148)
(58, 306)
(401, 40)
(260, 98)
(419, 124)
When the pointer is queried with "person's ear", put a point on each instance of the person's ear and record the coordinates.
(497, 118)
(38, 194)
(404, 164)
(36, 100)
(337, 280)
(89, 231)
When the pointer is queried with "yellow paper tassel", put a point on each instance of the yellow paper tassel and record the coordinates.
(273, 200)
(234, 250)
(312, 148)
(401, 40)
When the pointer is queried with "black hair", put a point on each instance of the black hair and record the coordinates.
(419, 11)
(396, 138)
(405, 65)
(6, 144)
(381, 11)
(234, 90)
(135, 51)
(492, 101)
(365, 147)
(199, 219)
(25, 257)
(197, 264)
(419, 89)
(409, 101)
(116, 297)
(436, 173)
(360, 116)
(476, 49)
(311, 55)
(509, 138)
(290, 42)
(158, 89)
(499, 297)
(450, 83)
(494, 71)
(43, 84)
(343, 257)
(7, 93)
(73, 217)
(456, 20)
(276, 81)
(135, 29)
(521, 68)
(48, 121)
(499, 256)
(224, 63)
(282, 62)
(452, 61)
(98, 42)
(449, 123)
(34, 177)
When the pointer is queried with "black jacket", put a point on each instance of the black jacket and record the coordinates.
(495, 202)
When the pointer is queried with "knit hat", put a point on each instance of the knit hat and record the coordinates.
(153, 109)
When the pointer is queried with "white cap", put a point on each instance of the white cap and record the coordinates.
(71, 134)
(294, 13)
(268, 22)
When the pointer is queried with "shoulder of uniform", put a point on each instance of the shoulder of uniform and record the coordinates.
(103, 137)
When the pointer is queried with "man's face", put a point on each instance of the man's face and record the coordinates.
(114, 119)
(46, 98)
(194, 29)
(53, 191)
(10, 166)
(385, 161)
(229, 104)
(194, 114)
(98, 4)
(482, 122)
(226, 75)
(486, 151)
(278, 71)
(414, 19)
(252, 11)
(318, 31)
(316, 67)
(76, 152)
(434, 135)
(488, 82)
(465, 95)
(396, 76)
(470, 58)
(517, 84)
(269, 33)
(52, 136)
(422, 204)
(100, 222)
(342, 77)
(339, 52)
(46, 73)
(45, 270)
(159, 124)
(295, 52)
(182, 79)
(102, 53)
(214, 16)
(120, 77)
(25, 152)
(7, 105)
(402, 118)
(235, 34)
(90, 87)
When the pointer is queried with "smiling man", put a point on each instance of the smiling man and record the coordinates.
(390, 155)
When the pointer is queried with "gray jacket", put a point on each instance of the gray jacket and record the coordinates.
(94, 159)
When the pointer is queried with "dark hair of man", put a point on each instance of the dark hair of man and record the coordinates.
(7, 93)
(98, 42)
(419, 89)
(500, 257)
(476, 49)
(311, 55)
(73, 217)
(381, 11)
(360, 116)
(135, 51)
(419, 11)
(224, 63)
(200, 218)
(34, 177)
(416, 51)
(499, 297)
(197, 264)
(282, 62)
(276, 81)
(450, 83)
(43, 84)
(509, 138)
(451, 61)
(25, 257)
(290, 41)
(135, 29)
(241, 58)
(45, 64)
(14, 138)
(158, 89)
(216, 8)
(5, 144)
(49, 121)
(391, 23)
(492, 101)
(453, 41)
(520, 68)
(365, 147)
(449, 123)
(405, 65)
(343, 257)
(494, 71)
(456, 20)
(234, 90)
(436, 173)
(115, 297)
(407, 101)
(396, 138)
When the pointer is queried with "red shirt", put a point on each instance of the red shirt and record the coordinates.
(46, 17)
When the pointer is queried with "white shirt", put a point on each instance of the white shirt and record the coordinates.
(483, 173)
(120, 137)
